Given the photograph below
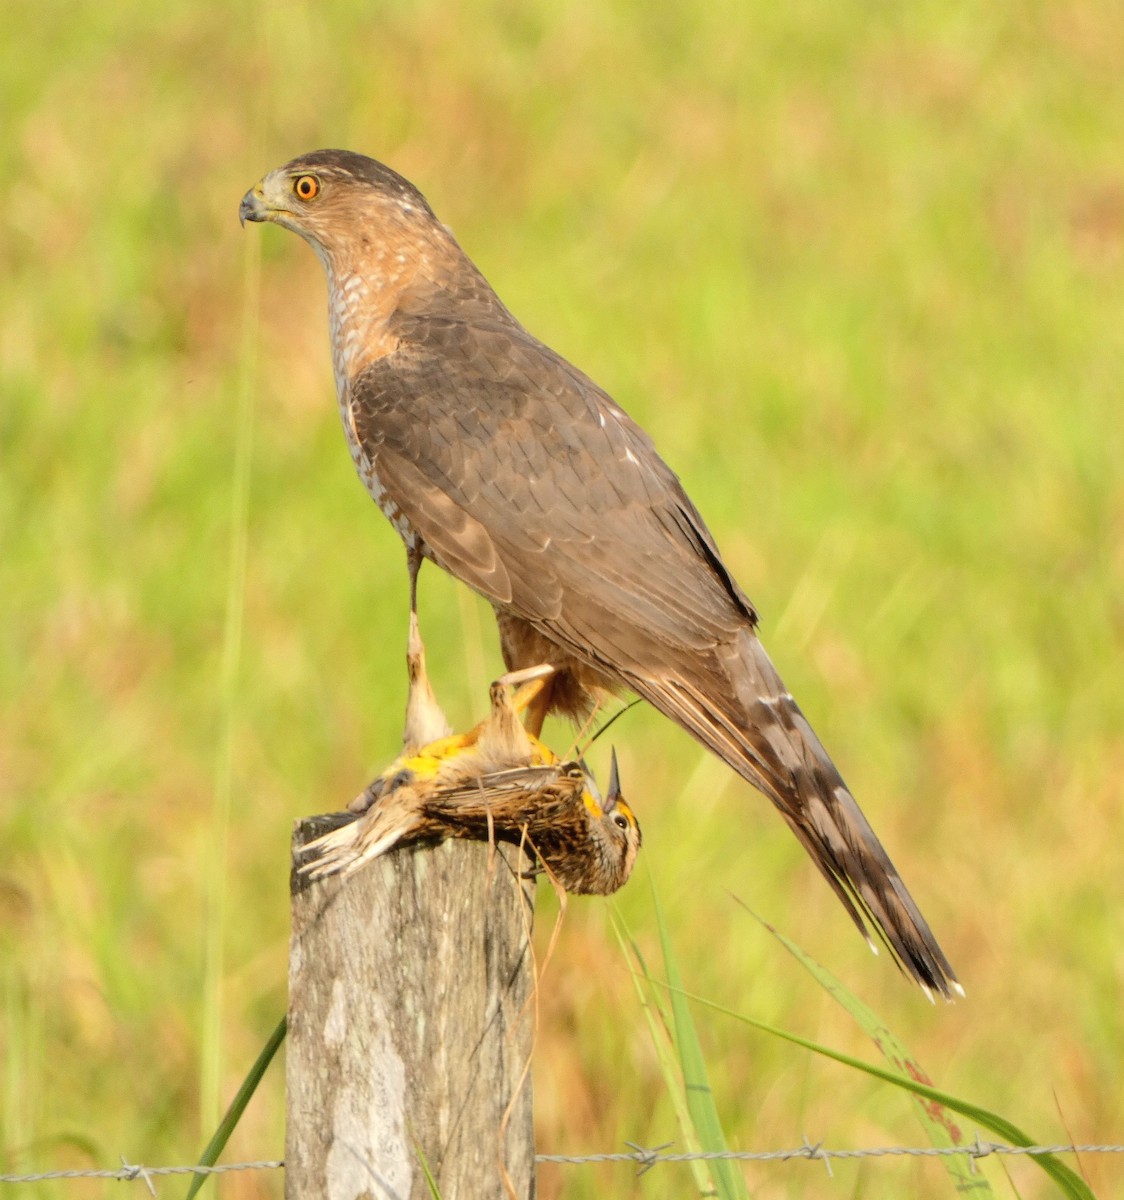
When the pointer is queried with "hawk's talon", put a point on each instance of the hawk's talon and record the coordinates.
(527, 675)
(534, 686)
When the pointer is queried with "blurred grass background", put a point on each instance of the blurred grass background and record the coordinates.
(858, 271)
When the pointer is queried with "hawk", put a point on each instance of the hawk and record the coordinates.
(505, 465)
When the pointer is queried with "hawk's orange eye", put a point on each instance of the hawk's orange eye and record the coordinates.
(307, 187)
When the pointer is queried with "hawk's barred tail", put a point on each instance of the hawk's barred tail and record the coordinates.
(764, 736)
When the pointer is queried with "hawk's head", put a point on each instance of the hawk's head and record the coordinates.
(342, 203)
(384, 251)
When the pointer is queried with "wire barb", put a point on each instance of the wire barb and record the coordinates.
(647, 1158)
(817, 1151)
(138, 1172)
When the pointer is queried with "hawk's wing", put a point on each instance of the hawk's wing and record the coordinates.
(532, 486)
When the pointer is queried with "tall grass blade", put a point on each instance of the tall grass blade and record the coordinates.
(233, 1114)
(1071, 1184)
(937, 1121)
(700, 1100)
(659, 1028)
(234, 615)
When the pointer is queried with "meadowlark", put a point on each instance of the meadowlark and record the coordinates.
(497, 782)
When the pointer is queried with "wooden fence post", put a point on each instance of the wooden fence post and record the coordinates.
(410, 1027)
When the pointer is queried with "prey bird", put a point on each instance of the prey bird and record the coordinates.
(495, 783)
(508, 467)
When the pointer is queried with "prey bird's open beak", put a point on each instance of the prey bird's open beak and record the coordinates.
(253, 206)
(614, 793)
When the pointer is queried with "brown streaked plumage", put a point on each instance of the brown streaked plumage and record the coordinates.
(509, 468)
(495, 783)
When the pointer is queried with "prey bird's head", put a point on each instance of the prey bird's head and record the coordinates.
(614, 833)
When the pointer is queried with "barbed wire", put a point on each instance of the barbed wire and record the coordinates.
(644, 1157)
(128, 1171)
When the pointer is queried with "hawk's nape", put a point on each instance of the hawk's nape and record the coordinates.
(508, 467)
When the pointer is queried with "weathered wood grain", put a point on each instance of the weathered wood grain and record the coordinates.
(410, 1029)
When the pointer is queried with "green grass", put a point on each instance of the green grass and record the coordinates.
(859, 272)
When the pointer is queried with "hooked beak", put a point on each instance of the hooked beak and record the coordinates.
(253, 206)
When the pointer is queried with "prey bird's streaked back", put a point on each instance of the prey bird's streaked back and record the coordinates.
(500, 461)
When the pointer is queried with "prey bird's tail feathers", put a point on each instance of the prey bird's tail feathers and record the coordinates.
(743, 712)
(344, 850)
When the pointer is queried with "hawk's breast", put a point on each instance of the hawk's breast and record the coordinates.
(357, 339)
(367, 469)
